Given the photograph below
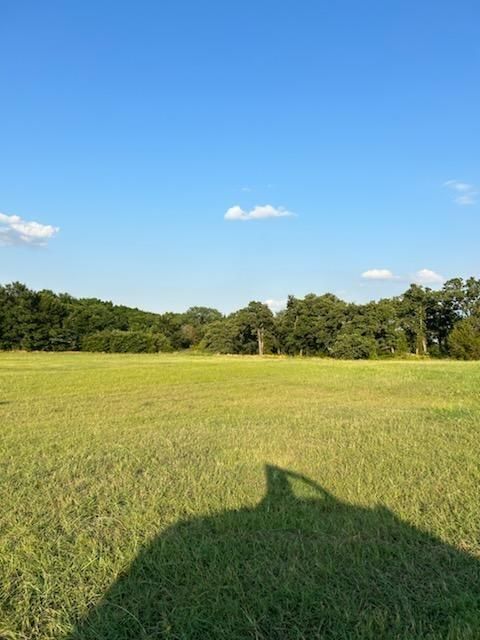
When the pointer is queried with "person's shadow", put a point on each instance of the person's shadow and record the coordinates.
(292, 568)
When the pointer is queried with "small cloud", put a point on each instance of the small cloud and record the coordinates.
(16, 231)
(379, 274)
(246, 189)
(466, 193)
(427, 276)
(257, 213)
(276, 305)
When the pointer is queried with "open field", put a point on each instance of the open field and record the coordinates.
(219, 497)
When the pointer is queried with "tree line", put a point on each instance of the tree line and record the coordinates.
(422, 321)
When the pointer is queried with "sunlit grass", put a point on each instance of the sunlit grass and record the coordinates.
(103, 456)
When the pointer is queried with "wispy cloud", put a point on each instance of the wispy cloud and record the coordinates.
(427, 276)
(276, 305)
(467, 198)
(379, 274)
(257, 213)
(16, 231)
(465, 193)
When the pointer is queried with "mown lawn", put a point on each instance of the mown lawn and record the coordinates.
(192, 497)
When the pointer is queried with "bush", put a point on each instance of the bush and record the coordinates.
(464, 340)
(353, 346)
(116, 341)
(99, 341)
(162, 343)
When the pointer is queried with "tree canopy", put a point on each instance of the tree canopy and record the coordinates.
(422, 321)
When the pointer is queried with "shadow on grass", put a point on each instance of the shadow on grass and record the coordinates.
(292, 568)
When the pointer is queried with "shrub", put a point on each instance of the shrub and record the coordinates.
(115, 341)
(99, 341)
(161, 342)
(353, 346)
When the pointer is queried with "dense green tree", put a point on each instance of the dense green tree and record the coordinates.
(464, 340)
(219, 337)
(389, 335)
(254, 329)
(413, 313)
(309, 326)
(471, 300)
(442, 322)
(194, 322)
(381, 322)
(352, 345)
(17, 316)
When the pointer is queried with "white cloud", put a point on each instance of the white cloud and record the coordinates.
(422, 276)
(16, 231)
(276, 305)
(257, 213)
(379, 274)
(427, 276)
(466, 193)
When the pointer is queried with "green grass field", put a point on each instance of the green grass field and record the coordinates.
(232, 497)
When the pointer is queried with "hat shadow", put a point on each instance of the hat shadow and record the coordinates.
(292, 568)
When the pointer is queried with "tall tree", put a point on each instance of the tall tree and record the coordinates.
(254, 326)
(413, 311)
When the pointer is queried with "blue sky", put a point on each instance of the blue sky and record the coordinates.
(133, 127)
